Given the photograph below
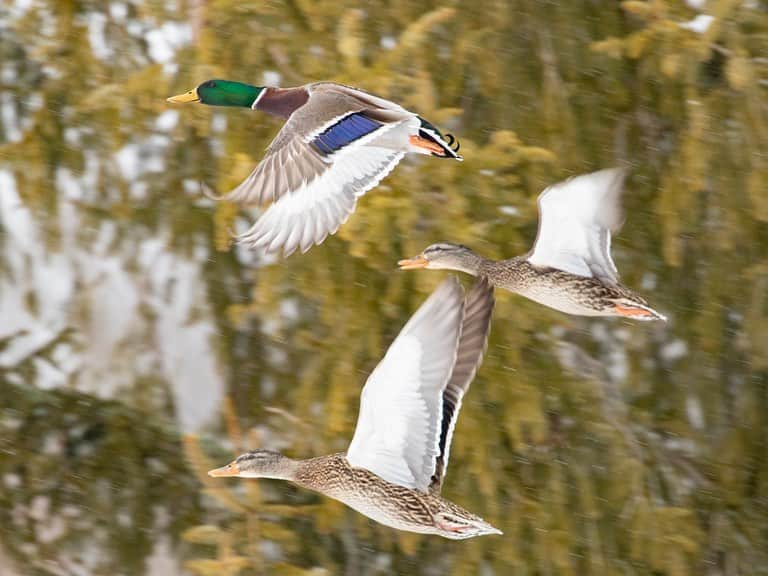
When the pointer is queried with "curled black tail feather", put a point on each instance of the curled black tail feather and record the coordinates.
(451, 139)
(448, 142)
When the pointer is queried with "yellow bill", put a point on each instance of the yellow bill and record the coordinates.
(190, 96)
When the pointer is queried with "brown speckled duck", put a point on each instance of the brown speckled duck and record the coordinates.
(395, 465)
(337, 143)
(570, 267)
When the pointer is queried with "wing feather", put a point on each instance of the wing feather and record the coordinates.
(475, 328)
(576, 218)
(321, 207)
(294, 150)
(398, 428)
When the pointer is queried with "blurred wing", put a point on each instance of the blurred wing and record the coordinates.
(326, 156)
(576, 218)
(398, 428)
(472, 342)
(307, 215)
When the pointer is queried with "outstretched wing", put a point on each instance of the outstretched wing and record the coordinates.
(576, 218)
(323, 159)
(475, 327)
(326, 124)
(307, 215)
(401, 407)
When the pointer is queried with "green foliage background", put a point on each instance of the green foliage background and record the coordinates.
(594, 447)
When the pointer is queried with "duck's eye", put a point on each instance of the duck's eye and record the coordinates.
(211, 84)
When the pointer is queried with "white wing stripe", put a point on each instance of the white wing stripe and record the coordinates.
(398, 429)
(363, 141)
(576, 218)
(323, 127)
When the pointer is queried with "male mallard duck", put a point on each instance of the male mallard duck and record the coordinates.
(337, 143)
(395, 465)
(570, 267)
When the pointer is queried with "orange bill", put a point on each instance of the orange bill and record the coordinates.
(228, 470)
(413, 263)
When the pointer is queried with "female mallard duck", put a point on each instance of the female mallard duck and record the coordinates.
(570, 267)
(395, 466)
(337, 143)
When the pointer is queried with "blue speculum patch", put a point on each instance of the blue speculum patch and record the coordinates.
(343, 133)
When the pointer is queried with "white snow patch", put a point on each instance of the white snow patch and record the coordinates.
(104, 281)
(218, 123)
(271, 78)
(134, 28)
(186, 358)
(167, 121)
(11, 480)
(118, 11)
(699, 24)
(10, 119)
(165, 40)
(72, 136)
(97, 23)
(7, 73)
(127, 159)
(388, 42)
(160, 50)
(648, 281)
(289, 309)
(674, 350)
(69, 186)
(694, 412)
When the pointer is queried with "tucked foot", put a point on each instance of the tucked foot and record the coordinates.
(456, 528)
(638, 312)
(426, 146)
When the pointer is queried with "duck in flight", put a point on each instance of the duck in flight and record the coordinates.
(336, 144)
(395, 465)
(570, 267)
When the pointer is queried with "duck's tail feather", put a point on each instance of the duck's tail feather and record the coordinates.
(449, 143)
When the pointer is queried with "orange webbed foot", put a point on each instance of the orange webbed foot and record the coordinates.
(637, 312)
(428, 145)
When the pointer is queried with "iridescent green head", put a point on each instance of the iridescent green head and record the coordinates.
(221, 93)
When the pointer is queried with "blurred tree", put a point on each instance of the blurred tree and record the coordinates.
(598, 447)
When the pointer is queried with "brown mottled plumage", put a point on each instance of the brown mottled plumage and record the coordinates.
(570, 267)
(395, 465)
(543, 284)
(388, 503)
